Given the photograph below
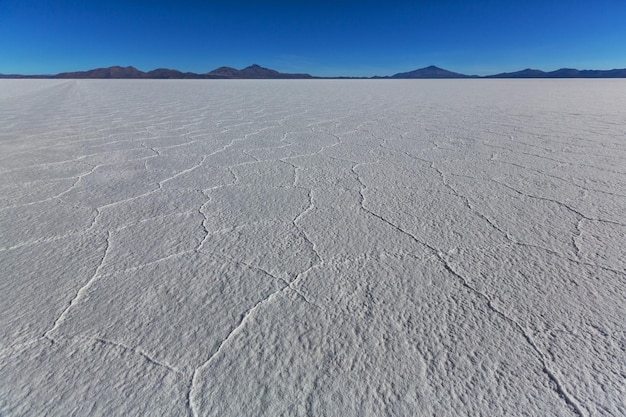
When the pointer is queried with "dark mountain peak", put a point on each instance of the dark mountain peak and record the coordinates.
(257, 71)
(128, 68)
(170, 74)
(429, 72)
(253, 71)
(110, 72)
(161, 69)
(565, 73)
(525, 73)
(163, 72)
(223, 72)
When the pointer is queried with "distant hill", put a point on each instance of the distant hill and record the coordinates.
(258, 72)
(223, 72)
(562, 73)
(251, 72)
(429, 72)
(111, 72)
(165, 74)
(526, 73)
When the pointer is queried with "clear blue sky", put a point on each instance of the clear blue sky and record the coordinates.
(327, 38)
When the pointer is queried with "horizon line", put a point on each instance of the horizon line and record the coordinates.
(278, 74)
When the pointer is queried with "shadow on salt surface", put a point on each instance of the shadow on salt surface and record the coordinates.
(393, 336)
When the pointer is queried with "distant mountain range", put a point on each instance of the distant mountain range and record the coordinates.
(251, 72)
(562, 73)
(258, 72)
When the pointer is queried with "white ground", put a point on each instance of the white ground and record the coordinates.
(319, 248)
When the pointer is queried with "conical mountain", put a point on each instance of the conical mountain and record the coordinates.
(429, 72)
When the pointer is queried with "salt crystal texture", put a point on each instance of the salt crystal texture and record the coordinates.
(313, 248)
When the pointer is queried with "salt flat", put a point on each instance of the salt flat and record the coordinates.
(313, 248)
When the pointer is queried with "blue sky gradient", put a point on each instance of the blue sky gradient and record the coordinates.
(325, 38)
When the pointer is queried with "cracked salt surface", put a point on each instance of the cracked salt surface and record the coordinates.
(336, 248)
